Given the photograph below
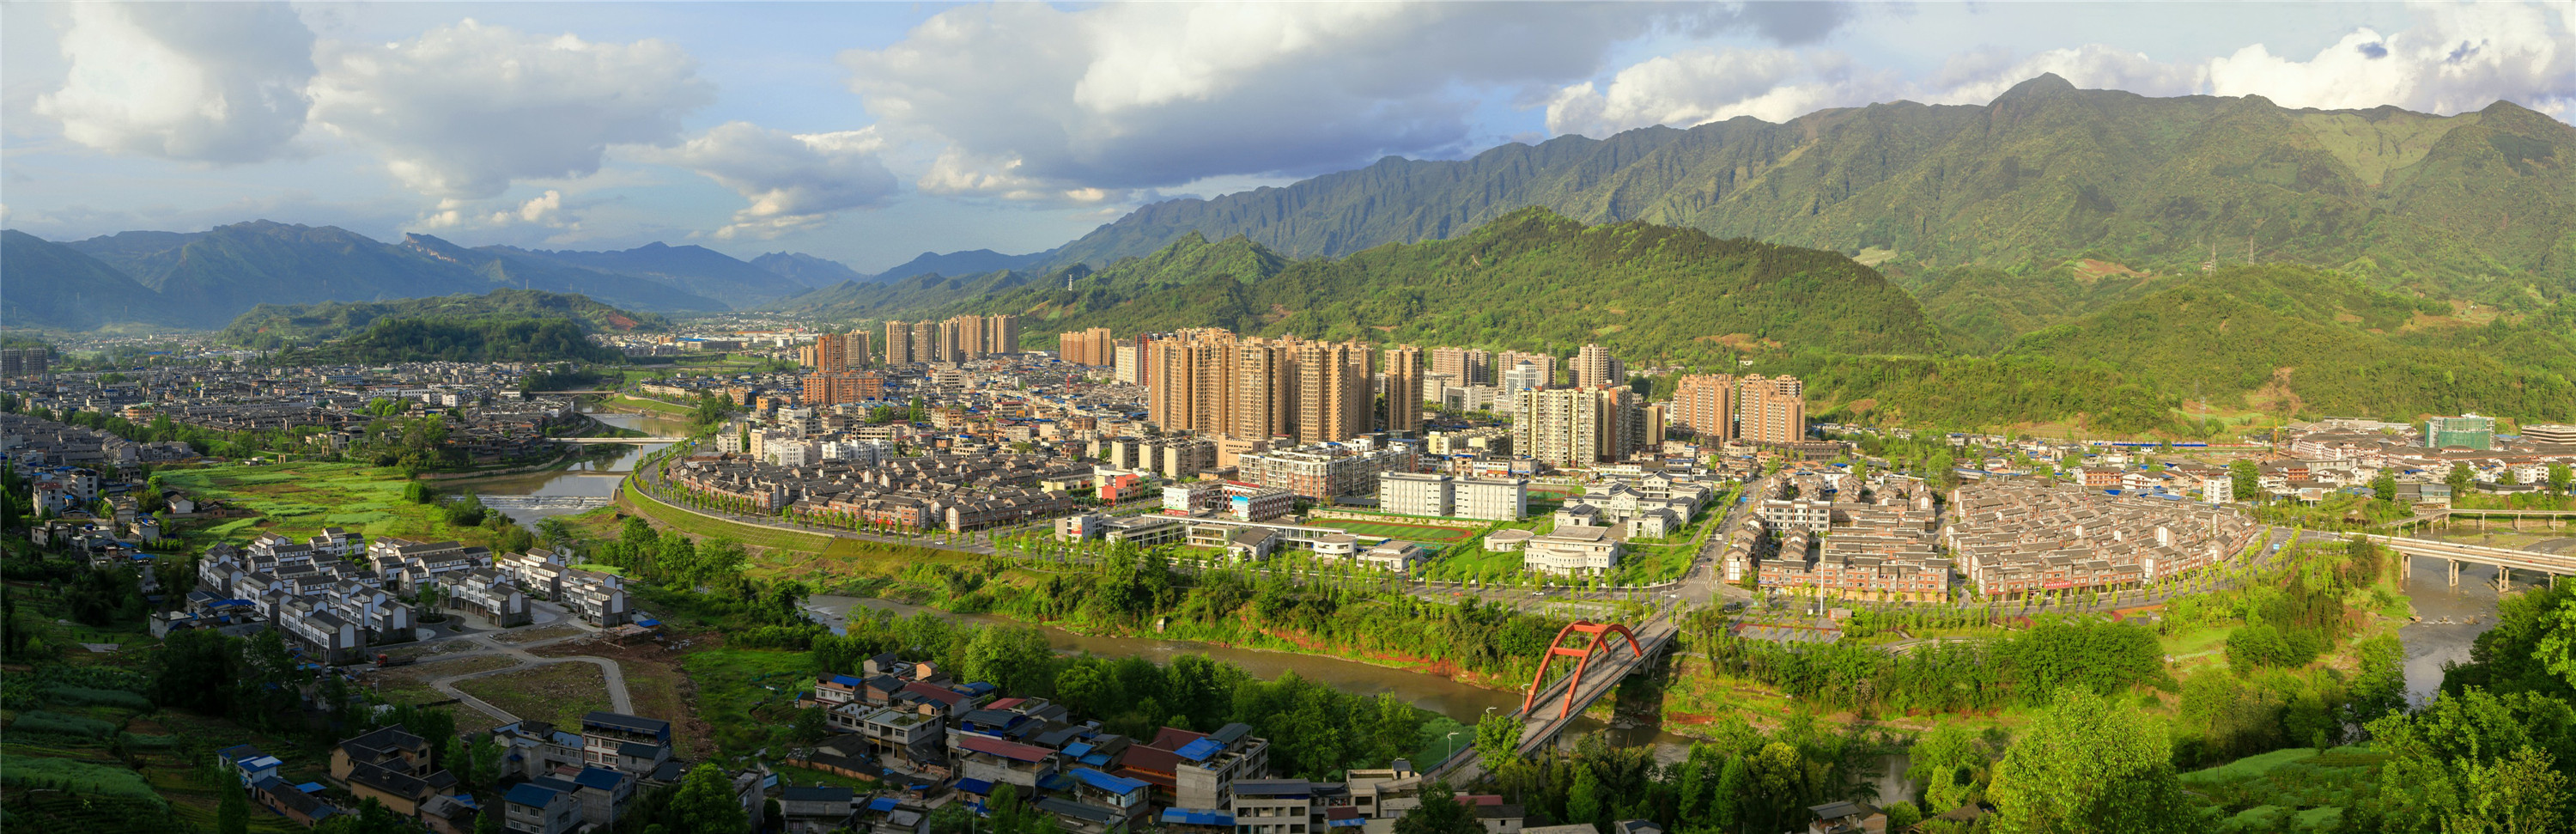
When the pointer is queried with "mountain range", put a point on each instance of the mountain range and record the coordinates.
(2478, 205)
(273, 326)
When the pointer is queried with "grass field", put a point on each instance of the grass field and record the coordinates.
(746, 692)
(410, 684)
(557, 692)
(299, 499)
(1394, 530)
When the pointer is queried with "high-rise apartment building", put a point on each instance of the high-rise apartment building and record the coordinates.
(1595, 367)
(963, 336)
(1335, 391)
(1001, 334)
(1771, 410)
(1193, 381)
(898, 344)
(1546, 364)
(1573, 427)
(1128, 364)
(1403, 395)
(1086, 347)
(1705, 405)
(25, 361)
(1523, 377)
(836, 352)
(1465, 366)
(1265, 389)
(926, 344)
(837, 387)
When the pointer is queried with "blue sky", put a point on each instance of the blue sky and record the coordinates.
(868, 133)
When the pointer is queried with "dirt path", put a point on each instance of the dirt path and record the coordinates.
(608, 669)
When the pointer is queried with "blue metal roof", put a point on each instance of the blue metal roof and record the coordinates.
(598, 777)
(1187, 816)
(1096, 760)
(978, 787)
(1106, 782)
(882, 803)
(846, 680)
(1077, 749)
(531, 795)
(1200, 750)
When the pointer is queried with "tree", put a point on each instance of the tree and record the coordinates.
(1952, 764)
(2245, 479)
(2475, 762)
(2385, 486)
(1583, 802)
(2558, 479)
(705, 803)
(233, 815)
(1440, 813)
(1497, 736)
(2088, 766)
(2460, 479)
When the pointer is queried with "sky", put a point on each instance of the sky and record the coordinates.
(871, 132)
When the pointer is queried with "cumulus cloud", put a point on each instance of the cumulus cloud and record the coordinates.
(542, 211)
(1034, 102)
(793, 181)
(212, 82)
(463, 110)
(2456, 58)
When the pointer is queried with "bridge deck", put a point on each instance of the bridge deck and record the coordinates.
(2479, 554)
(618, 439)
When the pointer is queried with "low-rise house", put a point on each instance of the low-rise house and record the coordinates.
(816, 809)
(533, 807)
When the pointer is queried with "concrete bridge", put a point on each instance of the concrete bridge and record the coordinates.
(506, 503)
(2539, 519)
(617, 439)
(2454, 554)
(1611, 654)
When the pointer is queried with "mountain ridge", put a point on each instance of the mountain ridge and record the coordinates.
(2045, 173)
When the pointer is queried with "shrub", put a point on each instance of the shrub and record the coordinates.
(79, 777)
(54, 723)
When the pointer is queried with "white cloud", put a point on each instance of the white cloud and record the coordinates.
(211, 82)
(463, 110)
(793, 181)
(2457, 58)
(1035, 102)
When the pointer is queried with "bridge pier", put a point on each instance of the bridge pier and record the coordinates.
(2455, 571)
(2405, 567)
(2504, 579)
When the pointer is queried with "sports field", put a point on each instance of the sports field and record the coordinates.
(1397, 530)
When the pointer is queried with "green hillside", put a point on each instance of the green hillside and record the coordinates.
(212, 276)
(1530, 280)
(2285, 341)
(276, 325)
(2479, 205)
(1982, 309)
(465, 339)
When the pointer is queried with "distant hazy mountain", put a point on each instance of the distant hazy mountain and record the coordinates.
(2480, 204)
(48, 285)
(969, 262)
(509, 269)
(806, 269)
(695, 269)
(208, 277)
(204, 279)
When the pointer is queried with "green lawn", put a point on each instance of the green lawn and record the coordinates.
(299, 499)
(1395, 530)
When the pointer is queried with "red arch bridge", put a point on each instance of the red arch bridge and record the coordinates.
(1596, 656)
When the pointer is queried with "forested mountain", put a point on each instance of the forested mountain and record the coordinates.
(806, 269)
(2478, 205)
(1983, 309)
(2287, 341)
(696, 269)
(49, 285)
(278, 325)
(464, 339)
(1528, 280)
(869, 298)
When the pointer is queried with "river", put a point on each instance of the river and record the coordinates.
(597, 478)
(2450, 619)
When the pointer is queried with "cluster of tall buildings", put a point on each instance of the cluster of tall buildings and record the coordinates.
(1573, 427)
(1213, 381)
(1513, 370)
(1754, 409)
(24, 361)
(956, 340)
